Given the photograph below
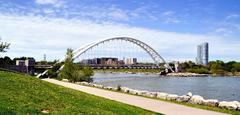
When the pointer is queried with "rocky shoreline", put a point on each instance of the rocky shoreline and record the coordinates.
(188, 75)
(178, 74)
(188, 98)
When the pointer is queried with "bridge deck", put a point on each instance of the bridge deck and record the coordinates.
(145, 103)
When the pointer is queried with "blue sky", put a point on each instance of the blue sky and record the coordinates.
(173, 28)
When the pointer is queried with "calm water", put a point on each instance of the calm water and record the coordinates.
(221, 88)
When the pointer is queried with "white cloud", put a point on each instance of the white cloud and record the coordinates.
(55, 3)
(170, 17)
(168, 13)
(35, 36)
(118, 14)
(46, 1)
(232, 16)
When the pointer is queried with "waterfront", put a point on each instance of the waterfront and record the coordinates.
(221, 88)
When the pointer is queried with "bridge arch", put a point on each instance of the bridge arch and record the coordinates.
(152, 53)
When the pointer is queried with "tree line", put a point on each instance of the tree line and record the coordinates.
(214, 67)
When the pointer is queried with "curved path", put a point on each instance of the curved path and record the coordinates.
(145, 103)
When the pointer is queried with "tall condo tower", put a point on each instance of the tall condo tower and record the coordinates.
(202, 54)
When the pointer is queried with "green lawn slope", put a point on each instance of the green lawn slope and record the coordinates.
(21, 94)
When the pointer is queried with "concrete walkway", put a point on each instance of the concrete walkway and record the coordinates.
(145, 103)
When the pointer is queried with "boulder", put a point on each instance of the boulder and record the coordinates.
(125, 89)
(189, 94)
(162, 95)
(65, 80)
(211, 102)
(141, 92)
(114, 88)
(171, 97)
(183, 98)
(149, 94)
(91, 84)
(108, 88)
(196, 99)
(238, 105)
(132, 91)
(228, 105)
(84, 83)
(99, 86)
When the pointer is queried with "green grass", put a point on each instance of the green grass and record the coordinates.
(22, 94)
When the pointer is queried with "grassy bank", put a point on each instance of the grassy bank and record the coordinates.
(23, 94)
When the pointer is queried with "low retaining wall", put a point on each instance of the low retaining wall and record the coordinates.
(188, 98)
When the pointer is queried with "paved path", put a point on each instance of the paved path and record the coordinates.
(145, 103)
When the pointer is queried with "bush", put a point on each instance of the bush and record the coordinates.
(53, 72)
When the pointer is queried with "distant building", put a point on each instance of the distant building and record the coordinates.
(130, 61)
(100, 61)
(27, 63)
(202, 54)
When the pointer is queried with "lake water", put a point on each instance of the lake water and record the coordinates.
(221, 88)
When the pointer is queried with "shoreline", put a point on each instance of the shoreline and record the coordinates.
(178, 74)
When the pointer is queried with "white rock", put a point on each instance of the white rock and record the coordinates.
(149, 94)
(84, 83)
(228, 105)
(108, 88)
(90, 84)
(132, 91)
(141, 92)
(114, 89)
(125, 89)
(162, 95)
(99, 86)
(196, 99)
(189, 94)
(238, 105)
(45, 111)
(172, 97)
(211, 102)
(183, 98)
(65, 80)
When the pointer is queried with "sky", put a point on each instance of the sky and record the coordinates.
(173, 28)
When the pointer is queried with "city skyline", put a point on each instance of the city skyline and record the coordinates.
(38, 27)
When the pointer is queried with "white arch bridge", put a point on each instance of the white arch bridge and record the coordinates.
(149, 50)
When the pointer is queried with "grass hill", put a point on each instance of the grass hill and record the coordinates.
(22, 94)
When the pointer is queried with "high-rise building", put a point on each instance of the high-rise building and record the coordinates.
(130, 61)
(202, 54)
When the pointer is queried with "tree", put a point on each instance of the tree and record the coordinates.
(7, 61)
(74, 72)
(4, 46)
(68, 69)
(236, 66)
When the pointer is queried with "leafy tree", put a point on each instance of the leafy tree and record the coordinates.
(68, 69)
(4, 46)
(74, 72)
(7, 60)
(236, 66)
